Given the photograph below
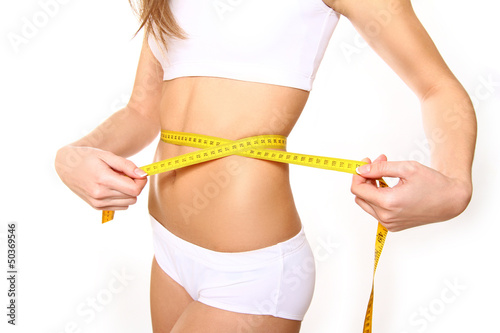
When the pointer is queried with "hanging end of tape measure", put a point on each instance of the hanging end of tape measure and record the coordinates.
(367, 326)
(107, 215)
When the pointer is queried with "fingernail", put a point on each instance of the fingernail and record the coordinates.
(363, 169)
(140, 172)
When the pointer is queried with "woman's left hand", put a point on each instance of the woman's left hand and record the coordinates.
(423, 195)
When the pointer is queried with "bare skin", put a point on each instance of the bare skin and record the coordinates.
(254, 207)
(227, 219)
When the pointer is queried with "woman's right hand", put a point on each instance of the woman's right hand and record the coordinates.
(97, 176)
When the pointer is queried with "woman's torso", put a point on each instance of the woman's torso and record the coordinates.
(233, 203)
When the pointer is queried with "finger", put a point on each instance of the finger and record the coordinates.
(141, 182)
(120, 185)
(381, 158)
(383, 168)
(357, 179)
(366, 207)
(121, 202)
(113, 208)
(361, 181)
(114, 204)
(373, 212)
(114, 195)
(369, 192)
(123, 165)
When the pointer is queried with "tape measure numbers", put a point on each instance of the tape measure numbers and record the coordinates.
(260, 147)
(379, 245)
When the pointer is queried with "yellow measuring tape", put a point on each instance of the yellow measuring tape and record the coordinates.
(260, 147)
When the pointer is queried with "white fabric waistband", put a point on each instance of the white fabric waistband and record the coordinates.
(216, 258)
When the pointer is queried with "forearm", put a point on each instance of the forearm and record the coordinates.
(125, 133)
(450, 126)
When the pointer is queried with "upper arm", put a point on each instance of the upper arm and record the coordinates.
(147, 91)
(393, 30)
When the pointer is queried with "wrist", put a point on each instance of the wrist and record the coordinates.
(70, 156)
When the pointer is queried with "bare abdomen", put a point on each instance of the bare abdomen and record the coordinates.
(234, 203)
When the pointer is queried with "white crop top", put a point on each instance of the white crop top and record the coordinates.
(279, 42)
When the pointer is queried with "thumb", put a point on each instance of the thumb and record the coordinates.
(123, 165)
(382, 168)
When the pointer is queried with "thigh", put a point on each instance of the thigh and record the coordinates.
(201, 318)
(168, 300)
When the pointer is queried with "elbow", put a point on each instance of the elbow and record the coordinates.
(463, 196)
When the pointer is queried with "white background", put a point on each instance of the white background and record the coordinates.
(79, 67)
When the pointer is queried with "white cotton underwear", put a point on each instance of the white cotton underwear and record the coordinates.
(277, 280)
